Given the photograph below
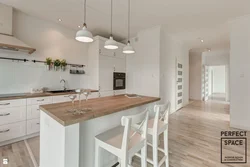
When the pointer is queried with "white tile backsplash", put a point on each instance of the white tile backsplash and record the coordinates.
(18, 77)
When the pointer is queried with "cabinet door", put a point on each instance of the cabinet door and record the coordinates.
(119, 53)
(61, 99)
(106, 73)
(11, 115)
(33, 126)
(106, 93)
(120, 65)
(12, 131)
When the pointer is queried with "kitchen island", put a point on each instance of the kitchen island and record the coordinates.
(67, 139)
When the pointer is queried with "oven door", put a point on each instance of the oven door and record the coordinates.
(119, 81)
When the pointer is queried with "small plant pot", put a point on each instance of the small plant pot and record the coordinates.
(63, 68)
(56, 68)
(48, 67)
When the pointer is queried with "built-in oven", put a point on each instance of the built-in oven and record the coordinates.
(119, 81)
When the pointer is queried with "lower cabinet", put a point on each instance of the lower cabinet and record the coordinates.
(33, 126)
(12, 131)
(12, 115)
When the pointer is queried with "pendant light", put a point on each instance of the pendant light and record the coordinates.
(84, 35)
(111, 43)
(128, 49)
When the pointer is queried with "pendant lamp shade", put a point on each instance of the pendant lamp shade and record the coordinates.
(111, 44)
(84, 35)
(128, 49)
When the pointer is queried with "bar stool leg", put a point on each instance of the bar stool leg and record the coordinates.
(166, 147)
(144, 156)
(124, 161)
(97, 155)
(155, 150)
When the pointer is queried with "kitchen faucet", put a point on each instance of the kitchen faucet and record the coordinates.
(64, 87)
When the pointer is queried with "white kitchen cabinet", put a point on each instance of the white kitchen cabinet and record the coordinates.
(102, 63)
(33, 126)
(12, 103)
(39, 100)
(61, 99)
(11, 115)
(33, 112)
(107, 93)
(119, 92)
(12, 131)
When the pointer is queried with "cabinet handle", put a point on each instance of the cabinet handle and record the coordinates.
(41, 100)
(66, 96)
(5, 104)
(2, 115)
(38, 123)
(38, 109)
(4, 131)
(100, 51)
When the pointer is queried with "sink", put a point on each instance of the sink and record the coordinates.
(60, 91)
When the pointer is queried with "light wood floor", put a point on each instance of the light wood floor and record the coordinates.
(194, 138)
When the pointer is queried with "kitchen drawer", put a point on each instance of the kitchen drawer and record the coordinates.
(12, 103)
(11, 115)
(120, 92)
(12, 131)
(61, 99)
(33, 126)
(33, 112)
(106, 93)
(39, 100)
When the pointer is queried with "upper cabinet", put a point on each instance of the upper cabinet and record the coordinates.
(102, 63)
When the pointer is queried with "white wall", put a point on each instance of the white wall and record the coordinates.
(143, 67)
(151, 71)
(219, 79)
(50, 40)
(216, 58)
(240, 73)
(195, 75)
(171, 50)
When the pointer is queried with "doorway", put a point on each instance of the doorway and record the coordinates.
(217, 83)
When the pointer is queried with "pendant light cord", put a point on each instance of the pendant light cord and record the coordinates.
(111, 18)
(84, 17)
(128, 21)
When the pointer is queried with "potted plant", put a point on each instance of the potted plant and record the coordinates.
(63, 65)
(48, 63)
(57, 64)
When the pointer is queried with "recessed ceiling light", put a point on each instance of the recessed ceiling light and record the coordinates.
(209, 50)
(202, 40)
(60, 20)
(79, 26)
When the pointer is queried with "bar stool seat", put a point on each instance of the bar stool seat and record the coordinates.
(112, 140)
(162, 126)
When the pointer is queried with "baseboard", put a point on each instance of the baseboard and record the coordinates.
(18, 139)
(240, 127)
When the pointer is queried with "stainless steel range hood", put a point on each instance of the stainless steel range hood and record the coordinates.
(7, 40)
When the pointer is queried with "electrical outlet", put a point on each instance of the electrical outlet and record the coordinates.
(5, 161)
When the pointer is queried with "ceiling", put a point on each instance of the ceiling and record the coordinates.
(187, 20)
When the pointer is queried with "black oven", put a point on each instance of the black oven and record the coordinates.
(119, 81)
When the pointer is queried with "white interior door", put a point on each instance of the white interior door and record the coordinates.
(179, 85)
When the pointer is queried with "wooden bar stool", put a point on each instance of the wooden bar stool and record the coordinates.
(157, 126)
(124, 141)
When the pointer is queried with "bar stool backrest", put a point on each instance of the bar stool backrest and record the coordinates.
(128, 122)
(161, 114)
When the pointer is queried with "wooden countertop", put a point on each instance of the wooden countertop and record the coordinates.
(100, 107)
(33, 95)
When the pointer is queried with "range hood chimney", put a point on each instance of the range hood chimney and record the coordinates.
(7, 40)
